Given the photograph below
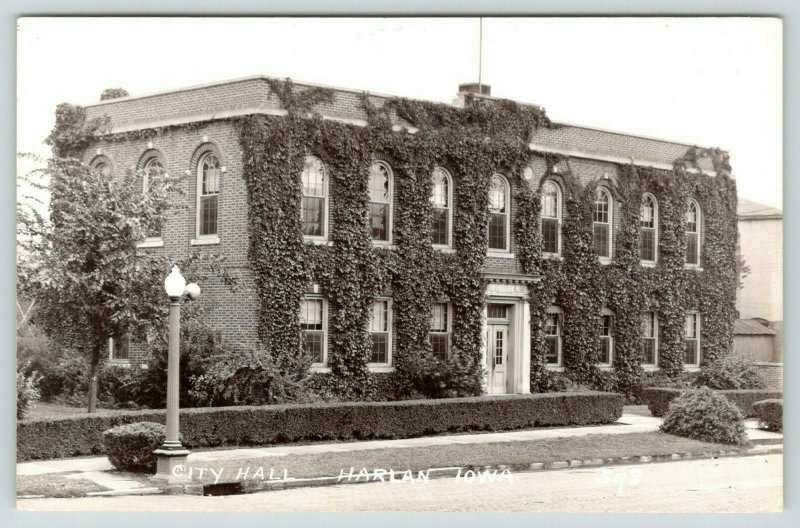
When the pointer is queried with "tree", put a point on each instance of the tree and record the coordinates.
(81, 264)
(113, 93)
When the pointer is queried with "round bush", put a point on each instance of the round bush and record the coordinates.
(705, 415)
(130, 447)
(769, 414)
(730, 372)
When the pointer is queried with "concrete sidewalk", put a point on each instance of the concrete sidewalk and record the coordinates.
(99, 470)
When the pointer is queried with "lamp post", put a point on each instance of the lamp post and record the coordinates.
(171, 454)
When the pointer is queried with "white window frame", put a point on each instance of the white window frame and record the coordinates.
(654, 365)
(697, 339)
(449, 180)
(699, 233)
(507, 186)
(111, 347)
(321, 367)
(603, 191)
(559, 313)
(151, 241)
(325, 197)
(608, 313)
(558, 217)
(448, 330)
(206, 239)
(389, 230)
(382, 367)
(645, 197)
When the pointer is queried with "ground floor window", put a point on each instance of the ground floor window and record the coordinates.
(606, 339)
(380, 330)
(312, 322)
(119, 348)
(440, 331)
(691, 338)
(649, 338)
(552, 335)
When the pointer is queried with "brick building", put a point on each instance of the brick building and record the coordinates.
(197, 135)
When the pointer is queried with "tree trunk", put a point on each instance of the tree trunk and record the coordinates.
(93, 387)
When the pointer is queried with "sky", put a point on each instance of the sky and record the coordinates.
(714, 82)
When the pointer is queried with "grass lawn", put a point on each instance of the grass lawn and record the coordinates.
(56, 485)
(458, 455)
(640, 410)
(57, 410)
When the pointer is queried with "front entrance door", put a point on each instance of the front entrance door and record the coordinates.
(497, 357)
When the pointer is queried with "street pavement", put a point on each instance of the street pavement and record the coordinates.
(742, 484)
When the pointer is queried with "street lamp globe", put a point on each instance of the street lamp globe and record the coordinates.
(175, 284)
(193, 291)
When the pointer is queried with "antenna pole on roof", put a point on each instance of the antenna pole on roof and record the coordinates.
(480, 54)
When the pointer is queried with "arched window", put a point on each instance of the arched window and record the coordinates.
(606, 337)
(693, 226)
(208, 180)
(550, 223)
(313, 207)
(442, 202)
(499, 206)
(102, 165)
(380, 201)
(603, 208)
(152, 168)
(648, 228)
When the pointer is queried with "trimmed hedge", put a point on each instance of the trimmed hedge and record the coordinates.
(658, 398)
(705, 414)
(273, 424)
(769, 414)
(130, 447)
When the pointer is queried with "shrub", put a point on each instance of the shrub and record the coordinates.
(659, 398)
(130, 447)
(769, 414)
(550, 381)
(27, 392)
(705, 415)
(730, 372)
(253, 426)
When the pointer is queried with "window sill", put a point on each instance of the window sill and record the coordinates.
(500, 254)
(553, 256)
(120, 362)
(320, 369)
(380, 368)
(648, 263)
(605, 261)
(694, 267)
(605, 366)
(691, 368)
(205, 241)
(318, 241)
(650, 368)
(555, 368)
(444, 249)
(151, 243)
(383, 245)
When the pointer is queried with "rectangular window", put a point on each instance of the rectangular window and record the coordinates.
(208, 214)
(379, 221)
(441, 229)
(497, 311)
(601, 234)
(119, 348)
(379, 329)
(550, 235)
(312, 322)
(691, 248)
(552, 335)
(606, 340)
(649, 338)
(692, 339)
(647, 244)
(497, 231)
(313, 209)
(440, 331)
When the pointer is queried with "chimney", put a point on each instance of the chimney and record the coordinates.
(475, 88)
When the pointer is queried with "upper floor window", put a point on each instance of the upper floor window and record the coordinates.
(440, 331)
(208, 180)
(648, 227)
(380, 326)
(442, 202)
(691, 338)
(313, 324)
(551, 218)
(313, 206)
(606, 338)
(552, 335)
(499, 207)
(650, 338)
(603, 208)
(380, 201)
(693, 224)
(102, 165)
(152, 168)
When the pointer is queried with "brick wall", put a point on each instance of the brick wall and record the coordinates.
(773, 374)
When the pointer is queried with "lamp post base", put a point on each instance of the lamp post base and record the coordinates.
(172, 464)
